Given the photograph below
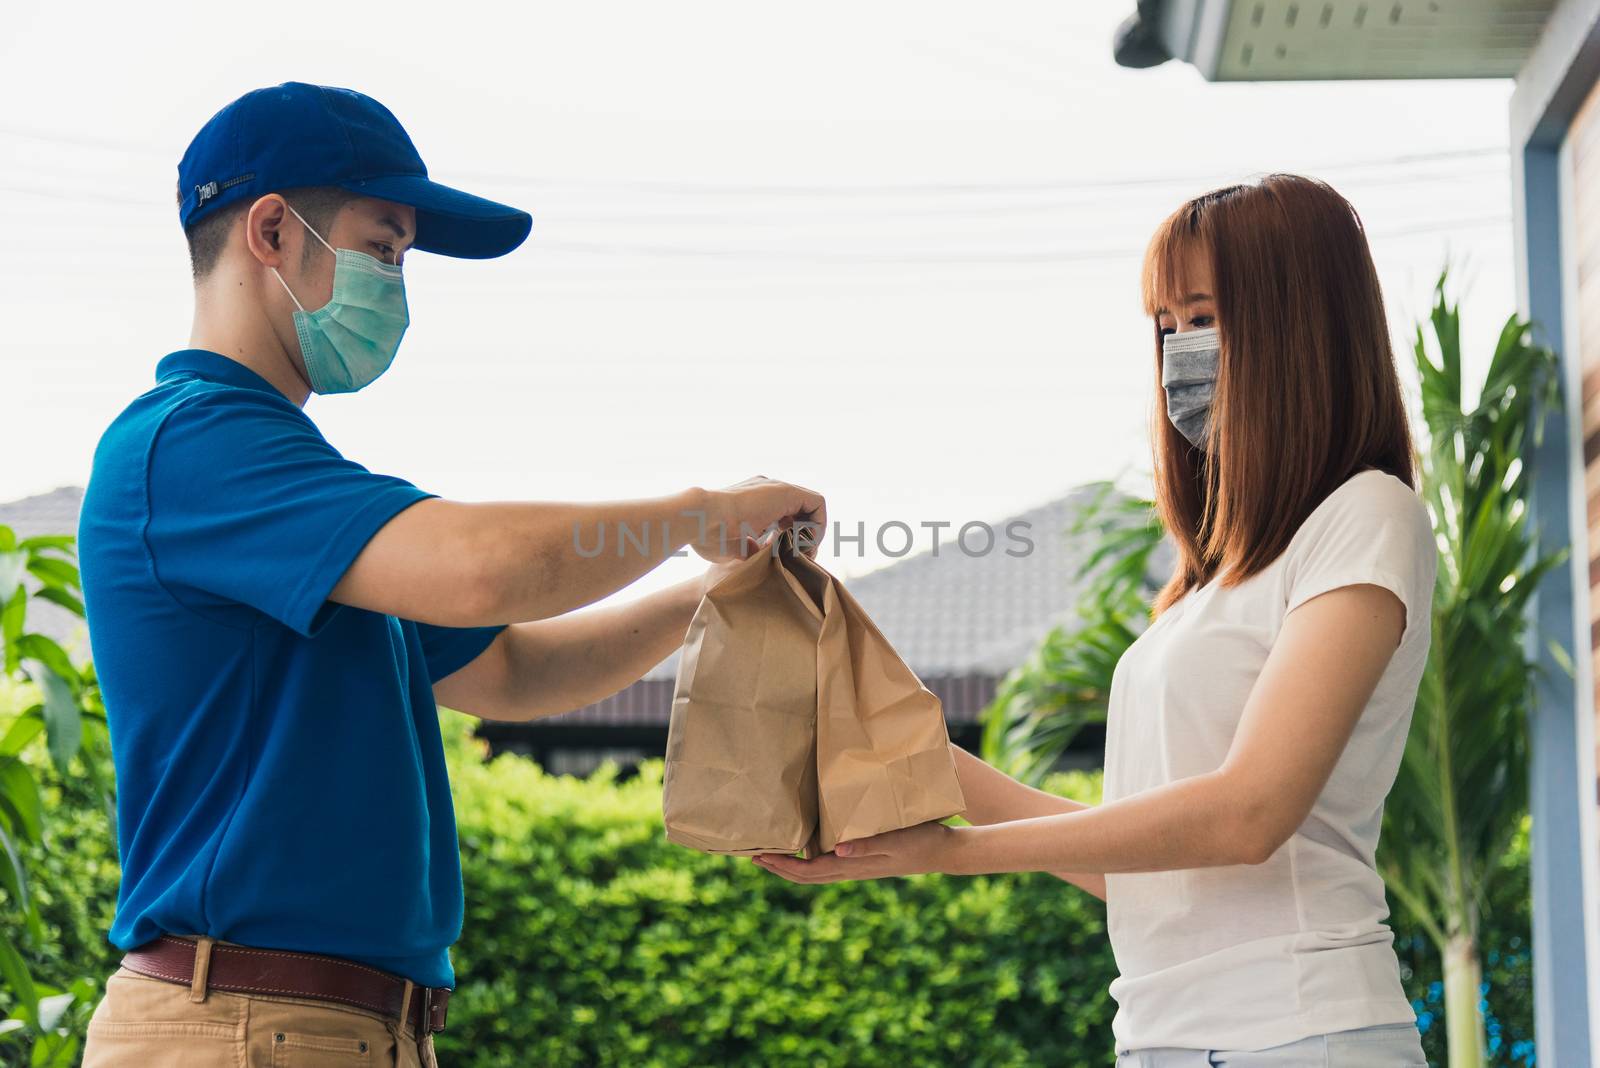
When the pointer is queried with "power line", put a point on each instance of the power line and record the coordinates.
(679, 188)
(944, 188)
(799, 255)
(957, 213)
(963, 257)
(83, 142)
(59, 193)
(732, 215)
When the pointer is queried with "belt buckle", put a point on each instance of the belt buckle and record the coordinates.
(434, 1007)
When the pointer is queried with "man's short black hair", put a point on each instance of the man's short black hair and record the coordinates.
(208, 237)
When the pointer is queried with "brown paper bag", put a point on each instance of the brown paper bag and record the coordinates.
(883, 753)
(741, 773)
(793, 714)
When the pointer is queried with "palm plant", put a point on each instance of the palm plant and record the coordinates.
(1063, 685)
(1461, 792)
(1462, 788)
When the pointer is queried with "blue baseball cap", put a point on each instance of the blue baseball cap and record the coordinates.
(296, 134)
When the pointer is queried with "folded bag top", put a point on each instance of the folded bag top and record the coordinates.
(795, 725)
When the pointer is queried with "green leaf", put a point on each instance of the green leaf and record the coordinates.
(49, 653)
(19, 798)
(12, 565)
(24, 729)
(62, 598)
(47, 541)
(15, 974)
(56, 1051)
(11, 616)
(53, 572)
(13, 876)
(62, 718)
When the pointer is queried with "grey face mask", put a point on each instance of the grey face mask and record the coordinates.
(1189, 375)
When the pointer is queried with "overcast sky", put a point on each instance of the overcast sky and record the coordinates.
(887, 250)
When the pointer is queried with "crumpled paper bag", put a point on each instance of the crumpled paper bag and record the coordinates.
(795, 725)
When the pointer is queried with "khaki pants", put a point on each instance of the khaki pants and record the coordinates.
(152, 1023)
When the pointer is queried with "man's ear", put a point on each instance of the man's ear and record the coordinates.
(264, 232)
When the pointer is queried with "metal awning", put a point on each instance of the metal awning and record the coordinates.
(1297, 40)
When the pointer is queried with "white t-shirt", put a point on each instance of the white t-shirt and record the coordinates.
(1250, 956)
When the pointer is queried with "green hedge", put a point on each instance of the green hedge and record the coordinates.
(590, 940)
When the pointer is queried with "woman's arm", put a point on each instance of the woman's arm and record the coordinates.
(1321, 672)
(995, 797)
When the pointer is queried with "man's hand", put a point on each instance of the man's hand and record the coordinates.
(734, 514)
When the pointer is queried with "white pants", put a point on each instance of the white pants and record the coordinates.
(1384, 1046)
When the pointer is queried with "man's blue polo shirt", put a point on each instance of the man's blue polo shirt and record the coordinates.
(280, 775)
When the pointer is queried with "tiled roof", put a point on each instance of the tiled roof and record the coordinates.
(55, 512)
(962, 622)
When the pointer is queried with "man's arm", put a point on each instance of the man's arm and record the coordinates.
(463, 565)
(550, 666)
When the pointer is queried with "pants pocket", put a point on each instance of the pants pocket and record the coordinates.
(1306, 1053)
(160, 1045)
(148, 1022)
(292, 1049)
(1381, 1046)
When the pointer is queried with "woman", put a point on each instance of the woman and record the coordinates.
(1255, 728)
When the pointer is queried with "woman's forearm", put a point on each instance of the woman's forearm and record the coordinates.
(994, 797)
(1185, 824)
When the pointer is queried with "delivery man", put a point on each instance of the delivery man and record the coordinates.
(272, 623)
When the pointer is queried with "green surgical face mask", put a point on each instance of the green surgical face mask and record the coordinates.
(350, 341)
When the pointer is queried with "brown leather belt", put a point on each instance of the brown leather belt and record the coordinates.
(245, 970)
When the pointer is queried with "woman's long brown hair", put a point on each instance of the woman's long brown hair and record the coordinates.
(1306, 393)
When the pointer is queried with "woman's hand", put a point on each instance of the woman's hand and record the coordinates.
(917, 850)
